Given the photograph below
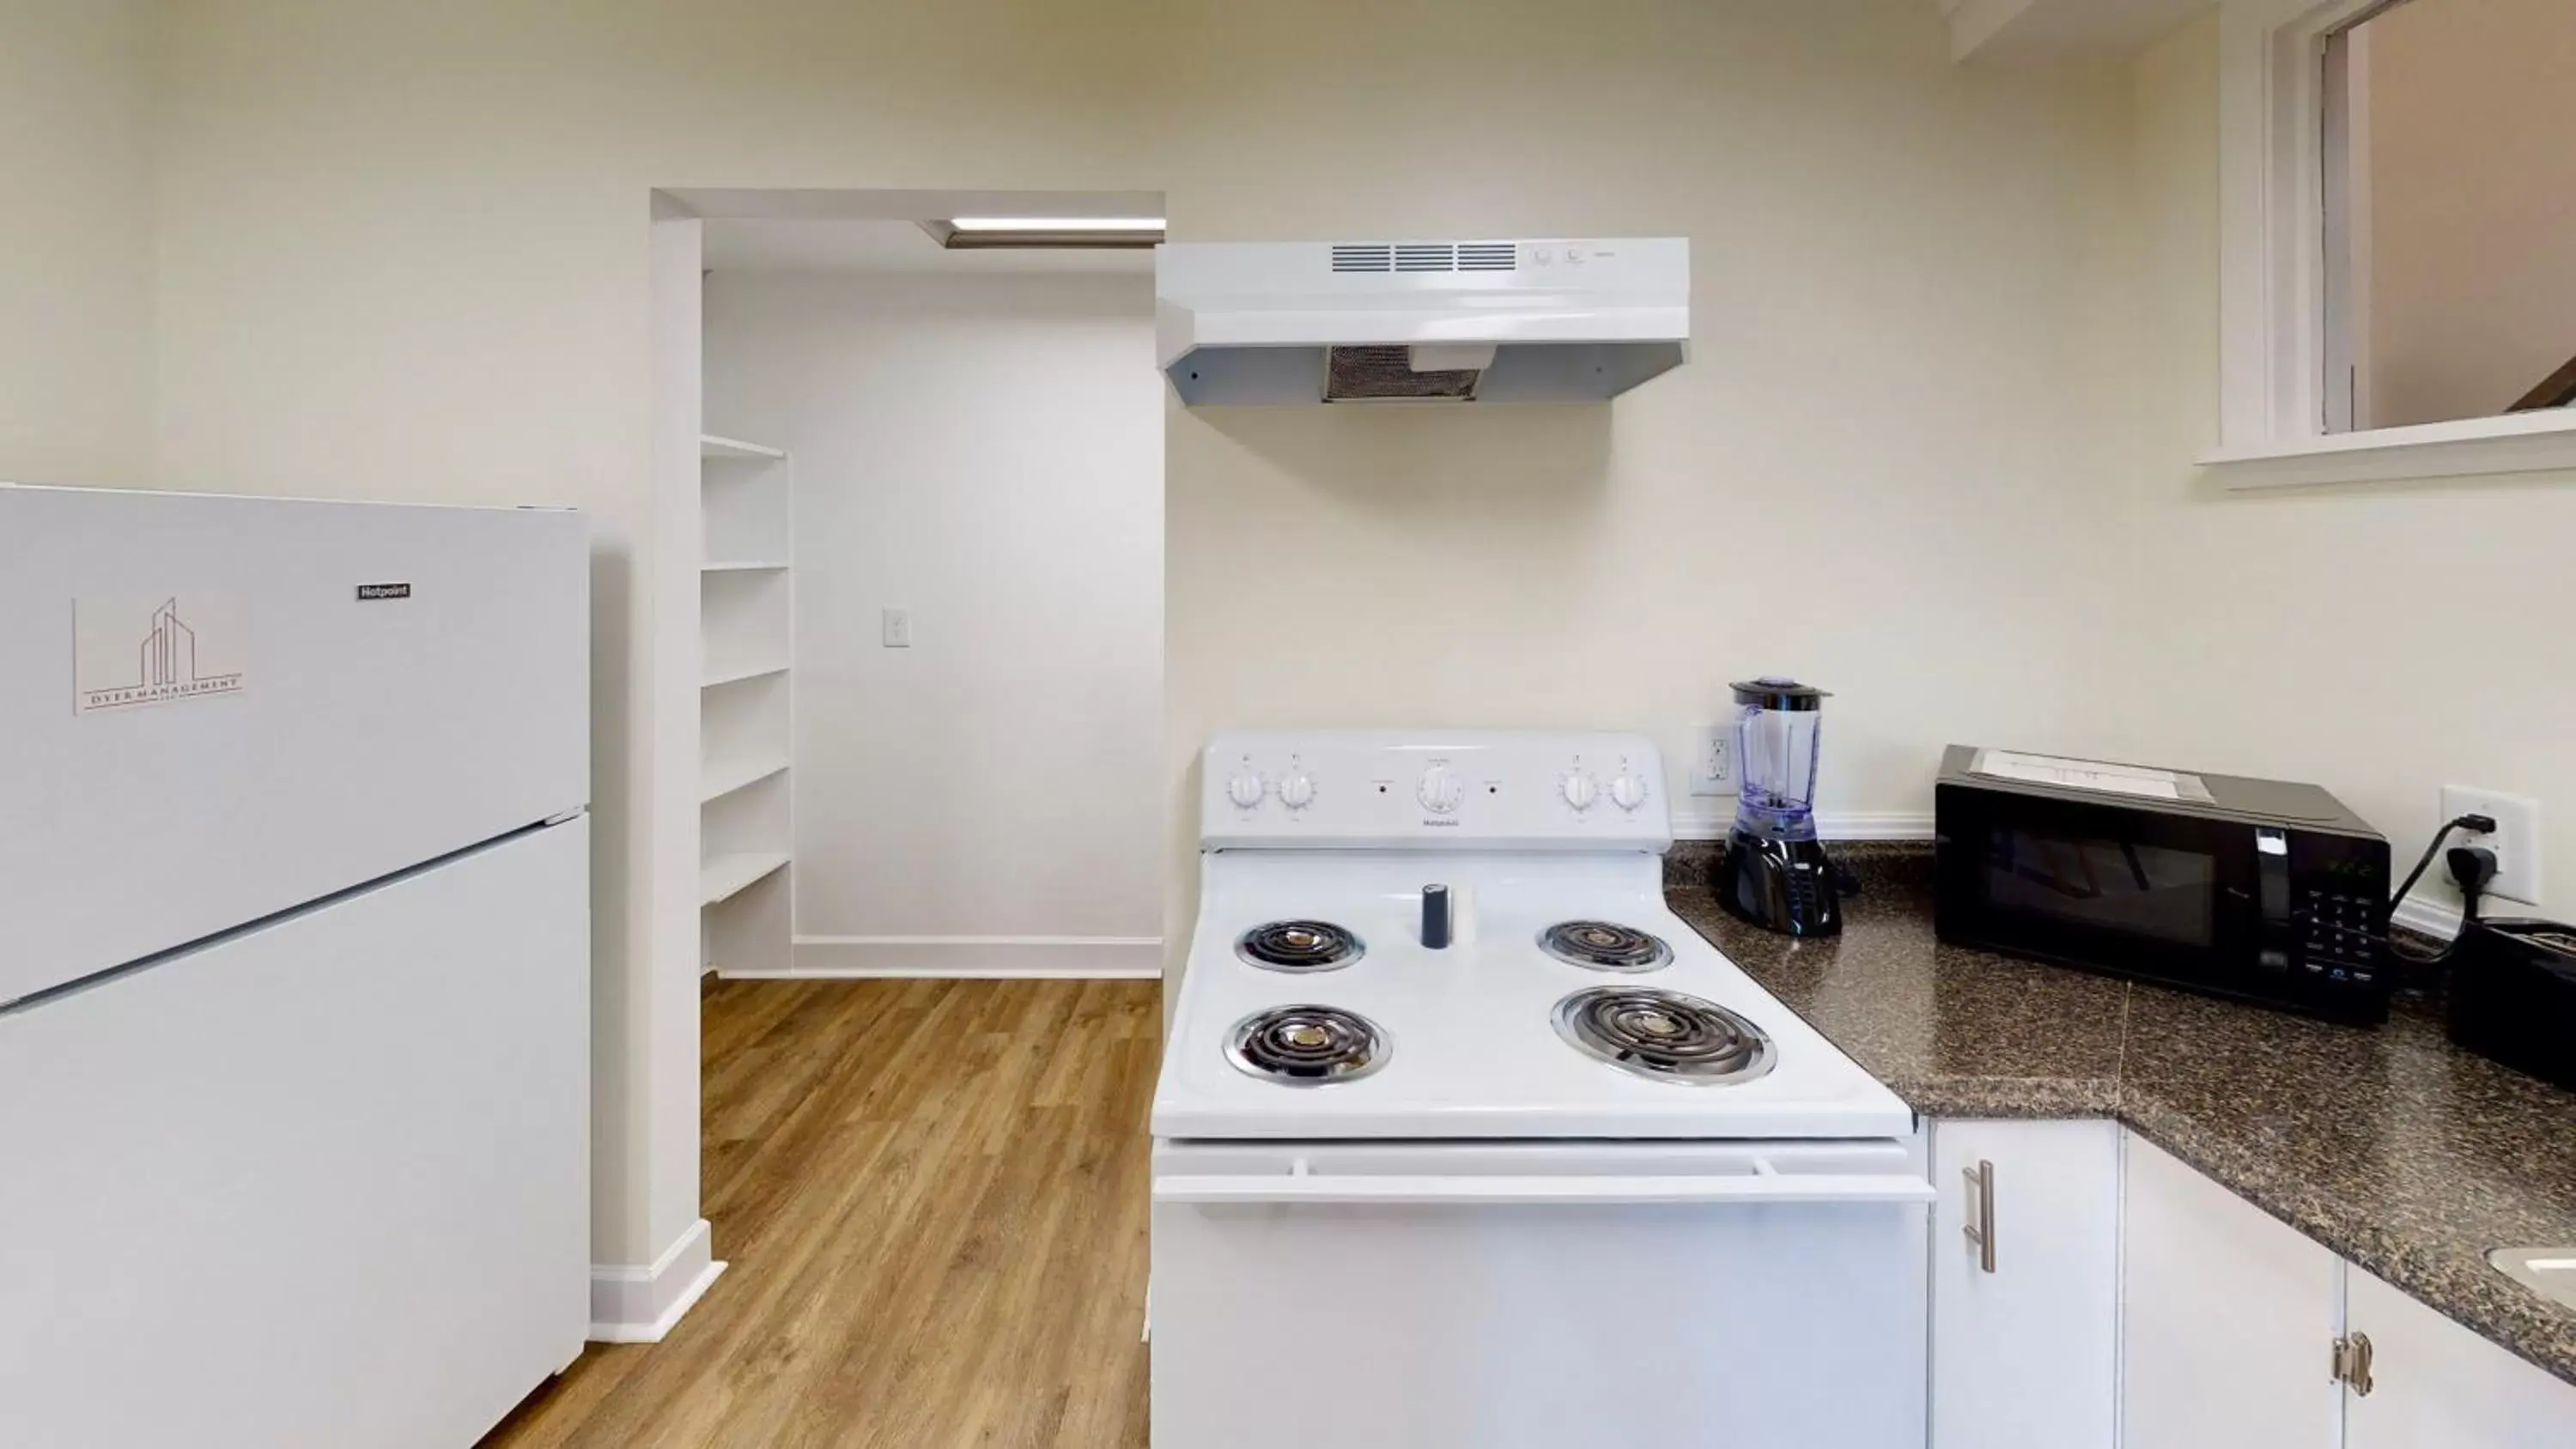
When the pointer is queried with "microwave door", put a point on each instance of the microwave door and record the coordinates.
(2140, 893)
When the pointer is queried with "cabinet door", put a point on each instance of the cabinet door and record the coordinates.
(2437, 1385)
(2228, 1319)
(2026, 1356)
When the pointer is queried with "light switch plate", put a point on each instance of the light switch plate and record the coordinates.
(2516, 841)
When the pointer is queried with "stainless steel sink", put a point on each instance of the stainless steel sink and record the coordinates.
(2549, 1272)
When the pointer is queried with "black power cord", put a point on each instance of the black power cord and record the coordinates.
(2472, 867)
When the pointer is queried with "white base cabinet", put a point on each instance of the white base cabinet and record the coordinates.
(2229, 1319)
(2025, 1285)
(2131, 1303)
(2436, 1385)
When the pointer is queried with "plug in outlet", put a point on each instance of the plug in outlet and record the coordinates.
(896, 627)
(1712, 759)
(2516, 841)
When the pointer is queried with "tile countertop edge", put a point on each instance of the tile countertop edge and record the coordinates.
(2457, 1283)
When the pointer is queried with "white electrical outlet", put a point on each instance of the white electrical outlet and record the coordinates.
(2516, 841)
(1712, 759)
(898, 628)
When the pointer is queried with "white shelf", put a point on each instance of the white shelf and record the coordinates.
(743, 567)
(711, 446)
(728, 875)
(722, 780)
(738, 672)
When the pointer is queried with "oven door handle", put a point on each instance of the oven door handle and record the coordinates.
(1761, 1186)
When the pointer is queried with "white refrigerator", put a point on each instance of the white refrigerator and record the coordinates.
(294, 968)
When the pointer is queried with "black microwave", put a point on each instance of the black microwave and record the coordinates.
(2256, 889)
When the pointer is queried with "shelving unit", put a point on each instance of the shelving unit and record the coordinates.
(738, 673)
(711, 446)
(722, 778)
(746, 621)
(725, 876)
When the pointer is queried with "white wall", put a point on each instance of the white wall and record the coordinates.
(75, 242)
(986, 451)
(2474, 175)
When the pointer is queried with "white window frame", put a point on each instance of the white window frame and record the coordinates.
(2272, 298)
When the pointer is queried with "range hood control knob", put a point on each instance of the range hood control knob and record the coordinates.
(1440, 790)
(1297, 791)
(1244, 789)
(1580, 789)
(1629, 791)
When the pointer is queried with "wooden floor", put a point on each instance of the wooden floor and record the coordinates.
(933, 1195)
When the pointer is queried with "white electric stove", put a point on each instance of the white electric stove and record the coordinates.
(1567, 1176)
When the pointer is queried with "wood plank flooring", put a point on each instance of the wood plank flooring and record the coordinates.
(933, 1195)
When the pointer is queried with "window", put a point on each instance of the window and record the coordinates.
(2398, 210)
(2450, 200)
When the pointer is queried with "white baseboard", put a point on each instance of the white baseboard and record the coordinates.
(971, 957)
(1711, 824)
(630, 1304)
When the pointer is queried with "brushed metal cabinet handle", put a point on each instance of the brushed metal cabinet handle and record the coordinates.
(2361, 1356)
(1980, 1229)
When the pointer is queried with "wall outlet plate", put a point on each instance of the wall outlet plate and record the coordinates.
(1712, 764)
(897, 627)
(2516, 841)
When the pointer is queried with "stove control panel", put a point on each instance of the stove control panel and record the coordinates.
(1450, 790)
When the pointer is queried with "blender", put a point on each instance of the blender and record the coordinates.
(1773, 872)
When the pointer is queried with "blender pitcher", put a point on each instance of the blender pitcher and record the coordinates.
(1773, 872)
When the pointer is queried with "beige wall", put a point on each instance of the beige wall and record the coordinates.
(75, 242)
(1955, 349)
(2382, 640)
(2473, 176)
(404, 255)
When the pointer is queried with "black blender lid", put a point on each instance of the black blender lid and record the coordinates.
(1774, 693)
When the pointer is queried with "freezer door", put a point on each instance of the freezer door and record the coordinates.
(219, 708)
(323, 1183)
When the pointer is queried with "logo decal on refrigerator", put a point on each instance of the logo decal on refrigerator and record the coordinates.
(127, 653)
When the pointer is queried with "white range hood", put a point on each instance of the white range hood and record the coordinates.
(1567, 320)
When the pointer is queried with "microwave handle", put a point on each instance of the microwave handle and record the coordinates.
(2276, 935)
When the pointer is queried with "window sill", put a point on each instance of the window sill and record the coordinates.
(2536, 442)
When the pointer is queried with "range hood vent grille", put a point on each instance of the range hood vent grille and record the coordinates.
(1425, 257)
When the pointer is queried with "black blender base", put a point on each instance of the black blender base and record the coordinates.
(1779, 885)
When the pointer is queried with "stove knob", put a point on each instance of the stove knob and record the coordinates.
(1629, 791)
(1297, 792)
(1580, 789)
(1440, 790)
(1244, 789)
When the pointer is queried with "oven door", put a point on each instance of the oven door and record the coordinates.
(1536, 1295)
(2198, 902)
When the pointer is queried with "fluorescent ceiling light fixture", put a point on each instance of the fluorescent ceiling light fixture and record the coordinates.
(1102, 233)
(1058, 223)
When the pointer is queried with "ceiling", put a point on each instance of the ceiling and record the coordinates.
(843, 245)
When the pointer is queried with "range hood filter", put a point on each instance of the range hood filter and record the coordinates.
(1390, 374)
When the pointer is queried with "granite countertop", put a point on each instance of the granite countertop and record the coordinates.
(2388, 1145)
